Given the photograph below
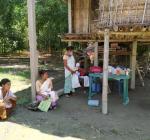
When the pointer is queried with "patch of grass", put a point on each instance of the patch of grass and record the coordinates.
(114, 131)
(17, 72)
(20, 83)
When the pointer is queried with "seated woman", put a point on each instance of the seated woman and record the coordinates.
(7, 99)
(44, 88)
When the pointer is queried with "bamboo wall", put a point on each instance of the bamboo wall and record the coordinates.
(80, 16)
(92, 15)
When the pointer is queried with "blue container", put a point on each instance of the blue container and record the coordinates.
(93, 102)
(96, 87)
(93, 87)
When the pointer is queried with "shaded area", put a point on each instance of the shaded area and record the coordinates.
(24, 96)
(74, 118)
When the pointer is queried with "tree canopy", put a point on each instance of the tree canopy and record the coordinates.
(51, 19)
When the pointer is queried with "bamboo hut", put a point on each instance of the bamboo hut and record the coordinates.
(126, 20)
(109, 21)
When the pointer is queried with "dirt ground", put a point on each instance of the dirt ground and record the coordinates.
(74, 119)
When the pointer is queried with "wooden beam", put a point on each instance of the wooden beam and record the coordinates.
(146, 33)
(105, 72)
(133, 64)
(90, 40)
(96, 54)
(33, 46)
(69, 19)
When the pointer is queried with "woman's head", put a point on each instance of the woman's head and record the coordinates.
(43, 74)
(90, 52)
(5, 84)
(69, 50)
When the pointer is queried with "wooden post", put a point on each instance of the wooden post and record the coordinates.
(69, 19)
(133, 64)
(33, 45)
(86, 63)
(105, 72)
(96, 54)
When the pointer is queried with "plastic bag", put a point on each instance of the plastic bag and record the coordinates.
(96, 69)
(44, 105)
(75, 81)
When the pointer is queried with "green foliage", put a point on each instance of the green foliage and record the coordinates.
(12, 21)
(25, 74)
(142, 50)
(51, 19)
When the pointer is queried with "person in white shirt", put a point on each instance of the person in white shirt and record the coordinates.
(69, 66)
(7, 99)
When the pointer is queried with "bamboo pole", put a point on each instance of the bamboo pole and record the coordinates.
(133, 64)
(96, 54)
(144, 11)
(89, 16)
(105, 72)
(140, 75)
(33, 45)
(69, 19)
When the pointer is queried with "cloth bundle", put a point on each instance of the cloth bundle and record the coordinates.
(75, 81)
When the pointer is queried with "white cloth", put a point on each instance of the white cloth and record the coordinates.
(46, 90)
(77, 65)
(75, 81)
(71, 64)
(9, 94)
(86, 80)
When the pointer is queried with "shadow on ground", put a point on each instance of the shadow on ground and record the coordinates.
(75, 118)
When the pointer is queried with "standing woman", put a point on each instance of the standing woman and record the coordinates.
(7, 99)
(69, 66)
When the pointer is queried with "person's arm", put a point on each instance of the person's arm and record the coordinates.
(51, 84)
(38, 90)
(44, 96)
(2, 104)
(10, 96)
(67, 67)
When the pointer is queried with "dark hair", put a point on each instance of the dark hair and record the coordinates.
(81, 58)
(42, 72)
(4, 81)
(69, 48)
(90, 48)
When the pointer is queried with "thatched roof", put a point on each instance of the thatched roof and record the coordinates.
(122, 13)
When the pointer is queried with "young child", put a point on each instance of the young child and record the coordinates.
(7, 99)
